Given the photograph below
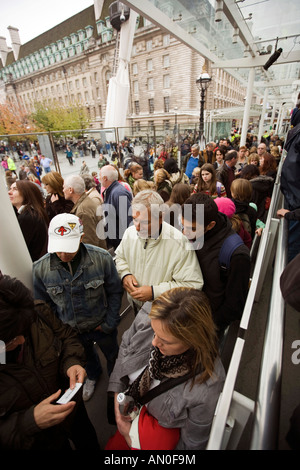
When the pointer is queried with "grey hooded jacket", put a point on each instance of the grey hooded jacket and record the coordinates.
(191, 410)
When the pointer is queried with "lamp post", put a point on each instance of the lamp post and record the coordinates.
(203, 83)
(175, 131)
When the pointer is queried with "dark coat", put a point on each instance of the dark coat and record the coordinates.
(60, 206)
(49, 350)
(290, 174)
(262, 187)
(120, 218)
(228, 294)
(244, 208)
(226, 175)
(35, 233)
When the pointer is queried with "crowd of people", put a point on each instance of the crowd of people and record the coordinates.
(175, 236)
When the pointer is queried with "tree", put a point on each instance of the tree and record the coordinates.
(15, 120)
(59, 117)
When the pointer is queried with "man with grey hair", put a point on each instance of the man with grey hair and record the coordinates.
(116, 207)
(153, 256)
(86, 209)
(192, 160)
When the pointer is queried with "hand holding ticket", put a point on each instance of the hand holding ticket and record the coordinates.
(69, 394)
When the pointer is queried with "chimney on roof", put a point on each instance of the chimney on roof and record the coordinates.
(15, 41)
(4, 50)
(98, 4)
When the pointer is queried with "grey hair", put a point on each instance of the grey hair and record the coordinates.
(110, 172)
(149, 199)
(89, 182)
(196, 146)
(76, 182)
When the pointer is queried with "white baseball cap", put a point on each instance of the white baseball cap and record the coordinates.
(64, 233)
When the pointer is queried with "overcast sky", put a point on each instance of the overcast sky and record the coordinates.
(34, 17)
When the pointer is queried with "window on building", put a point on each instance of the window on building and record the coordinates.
(84, 81)
(166, 125)
(135, 86)
(71, 86)
(166, 40)
(167, 104)
(151, 105)
(137, 126)
(166, 81)
(150, 84)
(149, 45)
(77, 83)
(137, 107)
(149, 65)
(86, 96)
(151, 125)
(96, 77)
(166, 60)
(135, 69)
(79, 98)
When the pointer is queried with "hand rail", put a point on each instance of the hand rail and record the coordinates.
(266, 413)
(263, 257)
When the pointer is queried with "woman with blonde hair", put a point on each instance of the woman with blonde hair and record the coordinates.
(253, 159)
(162, 183)
(55, 201)
(172, 337)
(133, 173)
(140, 185)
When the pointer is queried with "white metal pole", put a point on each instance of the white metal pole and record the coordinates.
(247, 106)
(262, 116)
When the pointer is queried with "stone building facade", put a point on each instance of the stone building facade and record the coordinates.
(74, 61)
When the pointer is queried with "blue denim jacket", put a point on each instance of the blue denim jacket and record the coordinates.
(87, 299)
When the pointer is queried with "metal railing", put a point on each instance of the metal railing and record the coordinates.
(226, 430)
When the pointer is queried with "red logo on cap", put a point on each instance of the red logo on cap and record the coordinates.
(62, 231)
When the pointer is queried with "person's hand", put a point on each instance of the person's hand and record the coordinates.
(282, 212)
(123, 422)
(130, 283)
(47, 415)
(76, 374)
(143, 293)
(259, 231)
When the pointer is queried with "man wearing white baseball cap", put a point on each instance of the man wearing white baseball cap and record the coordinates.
(81, 284)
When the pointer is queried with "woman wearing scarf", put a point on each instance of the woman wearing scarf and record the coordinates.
(171, 338)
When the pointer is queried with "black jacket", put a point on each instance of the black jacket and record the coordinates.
(49, 350)
(60, 206)
(262, 187)
(227, 295)
(290, 174)
(35, 233)
(244, 208)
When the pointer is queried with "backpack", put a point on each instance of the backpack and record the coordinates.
(246, 222)
(230, 244)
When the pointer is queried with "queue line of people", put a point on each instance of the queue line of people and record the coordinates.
(163, 265)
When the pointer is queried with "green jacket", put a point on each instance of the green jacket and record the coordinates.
(48, 352)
